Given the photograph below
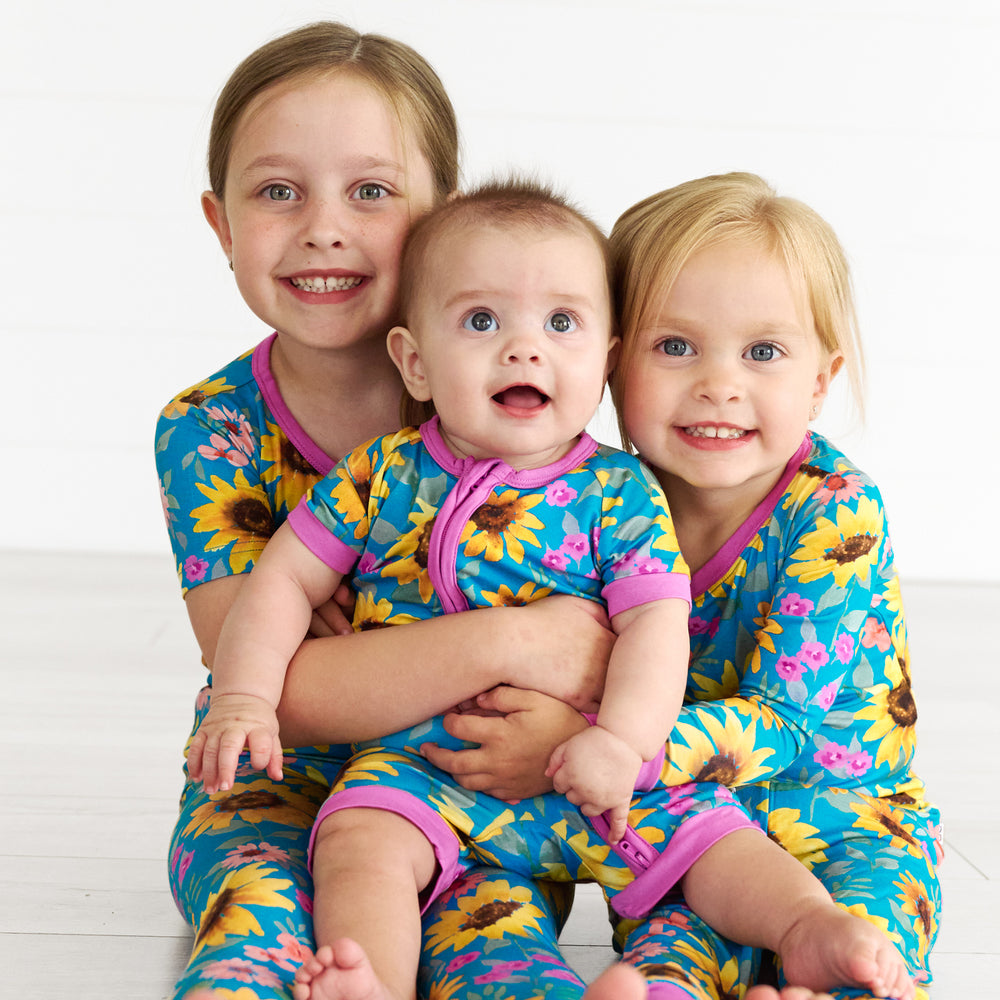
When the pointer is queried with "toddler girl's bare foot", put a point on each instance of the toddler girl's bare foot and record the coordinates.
(828, 947)
(620, 982)
(338, 972)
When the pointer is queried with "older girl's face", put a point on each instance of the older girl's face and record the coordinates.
(322, 187)
(727, 376)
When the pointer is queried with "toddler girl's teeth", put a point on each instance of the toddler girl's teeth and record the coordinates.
(325, 284)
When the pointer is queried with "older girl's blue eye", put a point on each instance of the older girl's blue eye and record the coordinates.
(481, 322)
(674, 347)
(560, 322)
(371, 192)
(279, 192)
(761, 352)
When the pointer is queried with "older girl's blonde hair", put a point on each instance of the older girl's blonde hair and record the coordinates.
(654, 239)
(400, 74)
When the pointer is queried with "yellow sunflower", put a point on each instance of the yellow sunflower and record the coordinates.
(797, 838)
(285, 466)
(917, 905)
(195, 396)
(860, 910)
(766, 627)
(709, 689)
(410, 552)
(506, 598)
(878, 816)
(447, 988)
(252, 803)
(238, 513)
(225, 911)
(496, 910)
(803, 485)
(893, 716)
(371, 614)
(587, 845)
(724, 752)
(724, 981)
(368, 765)
(505, 519)
(846, 548)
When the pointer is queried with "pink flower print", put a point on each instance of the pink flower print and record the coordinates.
(456, 963)
(843, 646)
(367, 563)
(255, 852)
(555, 560)
(827, 695)
(623, 564)
(559, 494)
(814, 655)
(794, 604)
(575, 546)
(501, 971)
(698, 626)
(560, 973)
(832, 756)
(195, 569)
(304, 900)
(243, 971)
(858, 764)
(840, 488)
(219, 447)
(649, 566)
(789, 668)
(875, 634)
(678, 800)
(289, 956)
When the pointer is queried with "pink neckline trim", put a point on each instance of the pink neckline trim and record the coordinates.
(307, 448)
(525, 478)
(719, 564)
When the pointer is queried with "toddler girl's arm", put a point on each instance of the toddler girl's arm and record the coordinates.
(597, 769)
(268, 620)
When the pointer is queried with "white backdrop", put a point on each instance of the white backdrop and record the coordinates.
(883, 114)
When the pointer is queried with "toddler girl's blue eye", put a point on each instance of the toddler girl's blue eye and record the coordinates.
(560, 322)
(481, 322)
(280, 192)
(675, 347)
(761, 352)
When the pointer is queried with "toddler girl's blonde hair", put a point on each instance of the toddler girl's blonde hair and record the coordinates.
(400, 74)
(653, 240)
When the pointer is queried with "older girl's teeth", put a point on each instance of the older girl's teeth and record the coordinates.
(715, 432)
(325, 284)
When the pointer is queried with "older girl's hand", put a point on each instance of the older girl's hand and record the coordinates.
(517, 731)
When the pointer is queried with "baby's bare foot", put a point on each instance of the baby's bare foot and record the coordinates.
(620, 982)
(828, 947)
(338, 972)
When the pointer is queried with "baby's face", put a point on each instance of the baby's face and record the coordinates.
(513, 329)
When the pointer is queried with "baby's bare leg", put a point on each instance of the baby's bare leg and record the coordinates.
(749, 889)
(619, 982)
(369, 867)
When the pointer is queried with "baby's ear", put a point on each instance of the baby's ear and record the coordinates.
(405, 354)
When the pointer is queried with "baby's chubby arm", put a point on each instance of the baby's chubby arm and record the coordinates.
(597, 769)
(262, 631)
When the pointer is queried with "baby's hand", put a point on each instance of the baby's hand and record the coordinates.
(597, 771)
(234, 721)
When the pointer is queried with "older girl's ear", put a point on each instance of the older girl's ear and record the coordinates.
(215, 215)
(405, 354)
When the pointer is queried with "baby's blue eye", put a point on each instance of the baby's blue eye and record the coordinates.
(481, 322)
(674, 347)
(761, 352)
(560, 322)
(371, 192)
(279, 192)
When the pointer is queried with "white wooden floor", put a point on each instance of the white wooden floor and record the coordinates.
(98, 673)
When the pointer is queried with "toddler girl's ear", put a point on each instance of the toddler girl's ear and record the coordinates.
(832, 364)
(215, 214)
(405, 354)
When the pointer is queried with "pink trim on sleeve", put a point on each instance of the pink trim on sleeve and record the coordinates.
(317, 537)
(631, 591)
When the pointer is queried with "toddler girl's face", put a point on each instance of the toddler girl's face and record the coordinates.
(727, 375)
(321, 190)
(511, 337)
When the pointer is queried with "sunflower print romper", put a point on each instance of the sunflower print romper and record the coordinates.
(799, 699)
(232, 463)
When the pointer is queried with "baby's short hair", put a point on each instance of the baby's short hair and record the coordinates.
(512, 202)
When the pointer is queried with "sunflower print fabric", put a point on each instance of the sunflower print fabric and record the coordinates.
(232, 464)
(800, 699)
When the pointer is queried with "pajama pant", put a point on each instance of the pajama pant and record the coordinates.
(545, 836)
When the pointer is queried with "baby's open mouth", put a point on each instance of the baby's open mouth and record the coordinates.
(521, 397)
